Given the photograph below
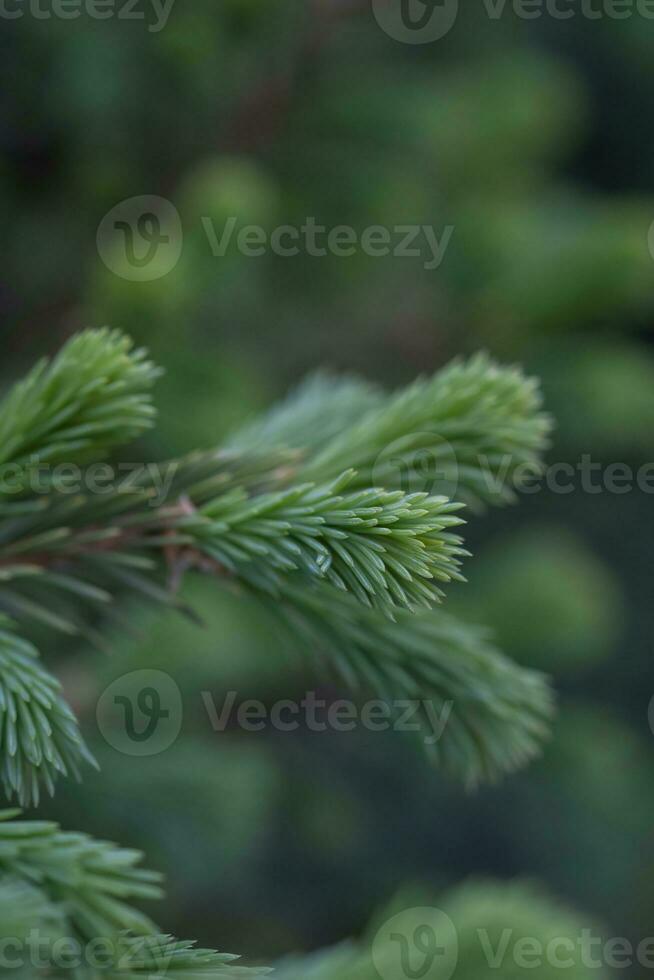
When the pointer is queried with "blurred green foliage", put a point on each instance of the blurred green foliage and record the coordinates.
(528, 139)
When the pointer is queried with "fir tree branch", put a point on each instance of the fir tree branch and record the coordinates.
(387, 549)
(495, 714)
(56, 885)
(95, 394)
(312, 414)
(39, 736)
(90, 880)
(165, 957)
(241, 514)
(24, 908)
(476, 424)
(327, 554)
(499, 711)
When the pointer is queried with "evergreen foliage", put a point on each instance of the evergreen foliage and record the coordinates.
(40, 735)
(92, 396)
(58, 885)
(301, 510)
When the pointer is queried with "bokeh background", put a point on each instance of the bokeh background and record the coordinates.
(534, 140)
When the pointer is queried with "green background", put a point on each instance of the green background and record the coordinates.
(534, 140)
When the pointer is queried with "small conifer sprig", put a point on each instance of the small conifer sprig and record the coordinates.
(94, 395)
(40, 736)
(89, 881)
(24, 907)
(477, 423)
(495, 714)
(312, 415)
(166, 958)
(388, 549)
(55, 885)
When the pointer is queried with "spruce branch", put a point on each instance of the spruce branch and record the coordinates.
(333, 551)
(90, 880)
(39, 736)
(95, 394)
(55, 884)
(475, 422)
(496, 714)
(24, 908)
(166, 958)
(387, 549)
(313, 414)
